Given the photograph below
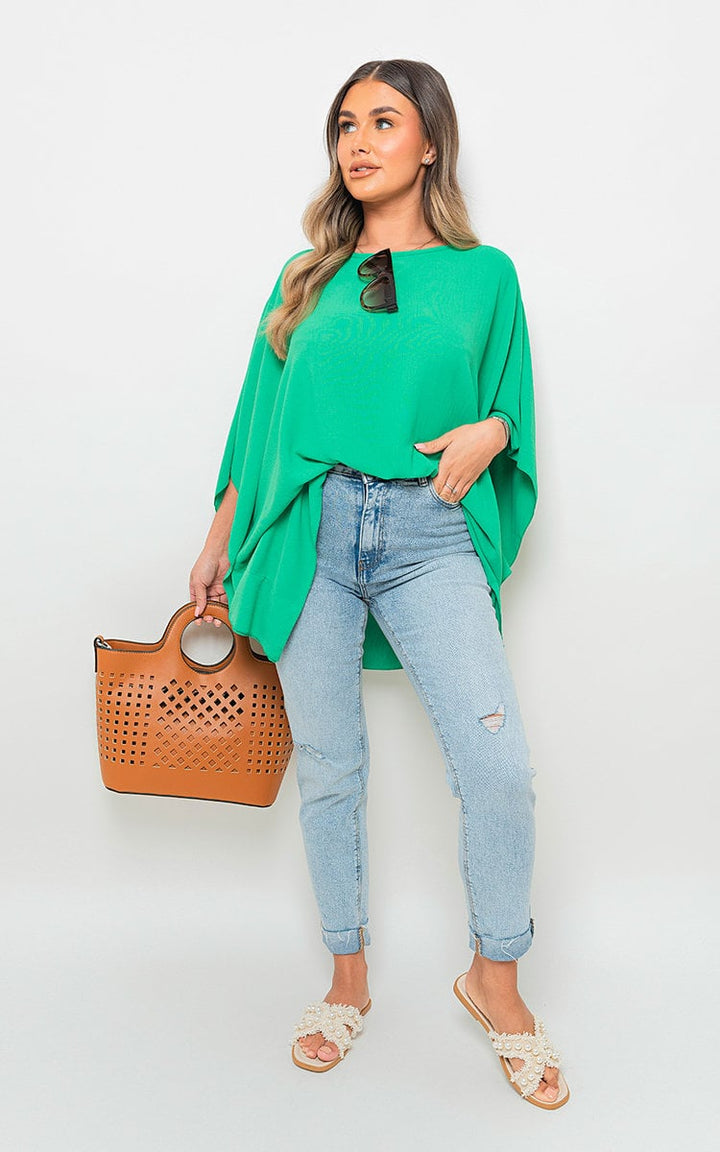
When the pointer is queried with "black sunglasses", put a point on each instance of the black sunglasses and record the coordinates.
(379, 294)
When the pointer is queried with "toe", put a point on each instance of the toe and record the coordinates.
(548, 1087)
(310, 1044)
(548, 1092)
(317, 1047)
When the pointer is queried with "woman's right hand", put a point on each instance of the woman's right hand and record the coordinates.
(206, 582)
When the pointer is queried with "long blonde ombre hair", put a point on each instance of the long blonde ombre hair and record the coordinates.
(334, 219)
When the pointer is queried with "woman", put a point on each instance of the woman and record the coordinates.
(342, 539)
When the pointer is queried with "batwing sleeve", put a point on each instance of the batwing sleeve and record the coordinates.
(253, 411)
(506, 387)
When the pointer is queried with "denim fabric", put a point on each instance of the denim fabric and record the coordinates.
(397, 547)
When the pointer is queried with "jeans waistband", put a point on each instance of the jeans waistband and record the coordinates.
(345, 470)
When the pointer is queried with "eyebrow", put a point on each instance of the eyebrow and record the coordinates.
(373, 111)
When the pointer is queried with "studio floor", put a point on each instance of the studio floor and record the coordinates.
(160, 1022)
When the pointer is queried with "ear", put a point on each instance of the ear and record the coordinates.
(430, 155)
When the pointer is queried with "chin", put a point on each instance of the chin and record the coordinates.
(367, 196)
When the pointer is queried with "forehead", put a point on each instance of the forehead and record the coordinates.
(367, 94)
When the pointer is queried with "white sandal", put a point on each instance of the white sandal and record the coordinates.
(534, 1048)
(333, 1020)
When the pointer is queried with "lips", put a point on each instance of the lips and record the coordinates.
(363, 167)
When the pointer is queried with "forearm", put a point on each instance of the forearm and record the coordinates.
(219, 535)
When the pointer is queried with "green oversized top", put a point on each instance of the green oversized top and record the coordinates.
(361, 388)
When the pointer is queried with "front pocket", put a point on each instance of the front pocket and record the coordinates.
(445, 503)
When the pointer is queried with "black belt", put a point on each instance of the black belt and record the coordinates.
(347, 471)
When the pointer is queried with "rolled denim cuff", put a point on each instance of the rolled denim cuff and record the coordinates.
(511, 948)
(350, 940)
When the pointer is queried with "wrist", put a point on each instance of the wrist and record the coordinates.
(503, 430)
(217, 541)
(217, 552)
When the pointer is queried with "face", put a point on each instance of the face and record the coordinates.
(380, 129)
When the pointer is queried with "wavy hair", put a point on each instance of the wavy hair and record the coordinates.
(333, 220)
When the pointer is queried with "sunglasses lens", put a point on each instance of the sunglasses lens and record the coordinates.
(379, 295)
(375, 264)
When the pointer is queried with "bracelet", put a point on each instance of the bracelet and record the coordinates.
(505, 425)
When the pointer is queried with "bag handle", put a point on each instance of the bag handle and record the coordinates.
(176, 625)
(184, 616)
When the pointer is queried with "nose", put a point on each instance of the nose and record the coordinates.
(358, 144)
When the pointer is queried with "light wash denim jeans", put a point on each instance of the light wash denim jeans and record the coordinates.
(399, 548)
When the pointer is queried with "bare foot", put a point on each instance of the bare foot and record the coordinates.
(349, 986)
(492, 985)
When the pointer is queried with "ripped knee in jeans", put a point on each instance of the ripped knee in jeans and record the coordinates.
(494, 720)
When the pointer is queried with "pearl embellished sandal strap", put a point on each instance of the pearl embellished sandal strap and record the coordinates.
(333, 1021)
(535, 1049)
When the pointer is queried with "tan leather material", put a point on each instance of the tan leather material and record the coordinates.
(168, 726)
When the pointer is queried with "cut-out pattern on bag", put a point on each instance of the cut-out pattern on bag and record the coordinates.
(190, 726)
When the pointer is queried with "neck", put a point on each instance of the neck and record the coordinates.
(386, 227)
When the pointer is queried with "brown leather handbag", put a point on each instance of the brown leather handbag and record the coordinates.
(168, 726)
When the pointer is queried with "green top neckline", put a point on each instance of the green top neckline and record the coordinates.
(407, 251)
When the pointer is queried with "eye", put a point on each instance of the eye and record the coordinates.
(350, 124)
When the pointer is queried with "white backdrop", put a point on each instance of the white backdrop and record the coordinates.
(156, 953)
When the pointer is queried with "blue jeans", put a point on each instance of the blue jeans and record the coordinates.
(397, 547)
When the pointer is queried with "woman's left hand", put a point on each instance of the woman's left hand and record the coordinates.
(466, 452)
